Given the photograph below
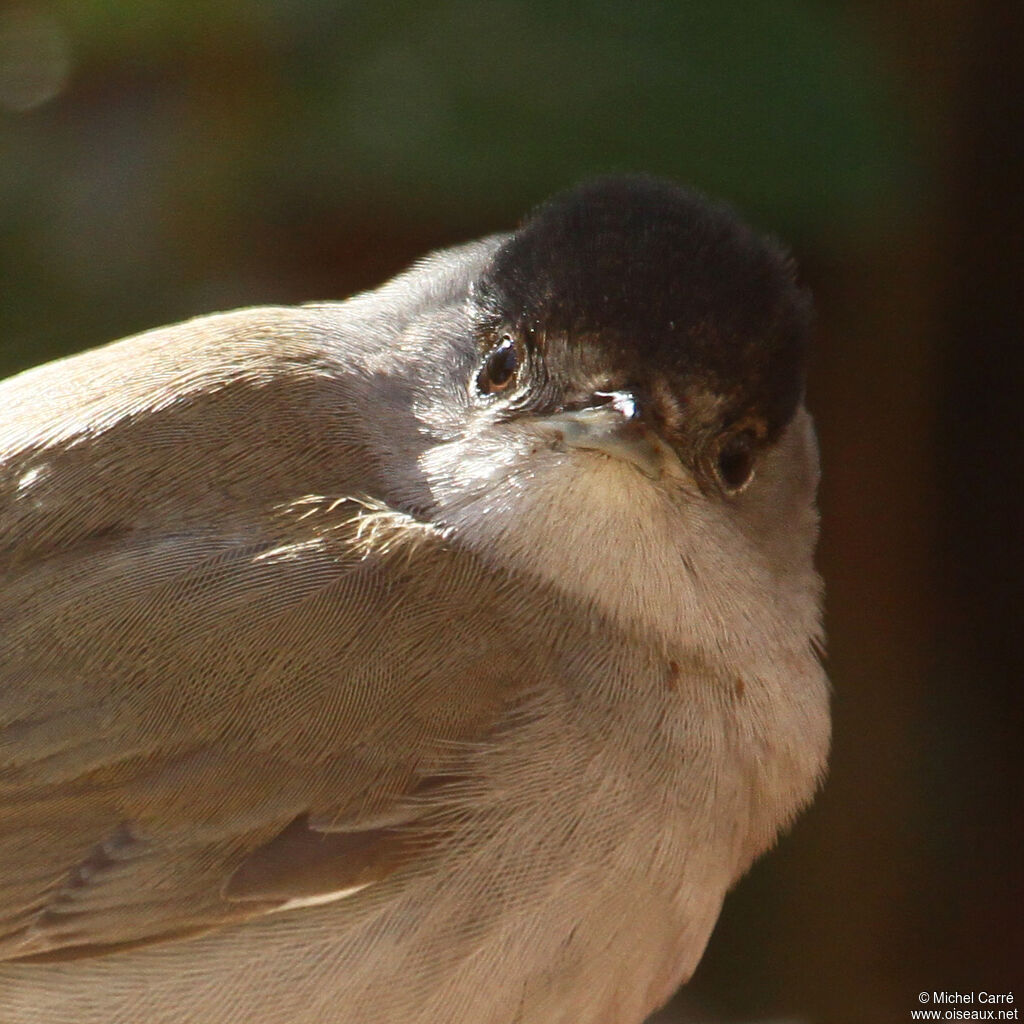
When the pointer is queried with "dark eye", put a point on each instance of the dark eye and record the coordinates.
(736, 462)
(500, 366)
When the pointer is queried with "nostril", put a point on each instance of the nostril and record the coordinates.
(594, 400)
(623, 402)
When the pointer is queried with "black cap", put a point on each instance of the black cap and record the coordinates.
(652, 280)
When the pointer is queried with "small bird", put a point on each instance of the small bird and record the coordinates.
(440, 656)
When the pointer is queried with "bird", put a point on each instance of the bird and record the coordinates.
(444, 654)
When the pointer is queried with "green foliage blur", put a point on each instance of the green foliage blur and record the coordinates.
(163, 159)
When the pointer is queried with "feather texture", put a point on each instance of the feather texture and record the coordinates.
(295, 731)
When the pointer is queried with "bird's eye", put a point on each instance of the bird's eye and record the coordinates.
(500, 367)
(735, 463)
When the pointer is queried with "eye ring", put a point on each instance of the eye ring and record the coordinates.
(500, 368)
(735, 462)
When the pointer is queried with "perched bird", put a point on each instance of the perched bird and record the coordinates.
(441, 656)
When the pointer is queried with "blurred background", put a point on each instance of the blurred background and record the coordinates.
(163, 159)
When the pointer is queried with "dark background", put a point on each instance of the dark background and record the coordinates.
(162, 159)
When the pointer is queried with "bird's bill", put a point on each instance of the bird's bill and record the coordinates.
(615, 429)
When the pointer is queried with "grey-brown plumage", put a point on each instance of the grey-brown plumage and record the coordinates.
(443, 655)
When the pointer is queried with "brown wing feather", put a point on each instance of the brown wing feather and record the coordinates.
(198, 648)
